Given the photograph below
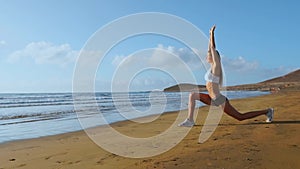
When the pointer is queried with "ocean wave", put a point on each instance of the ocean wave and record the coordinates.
(37, 115)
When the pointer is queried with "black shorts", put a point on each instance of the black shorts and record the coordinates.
(219, 100)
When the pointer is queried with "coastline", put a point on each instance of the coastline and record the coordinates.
(247, 144)
(59, 117)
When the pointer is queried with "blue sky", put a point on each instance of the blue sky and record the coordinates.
(40, 40)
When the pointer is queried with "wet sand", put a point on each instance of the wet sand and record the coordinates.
(234, 145)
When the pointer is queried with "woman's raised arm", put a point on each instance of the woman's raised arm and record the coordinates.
(212, 43)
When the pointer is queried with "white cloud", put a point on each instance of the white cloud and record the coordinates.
(276, 72)
(241, 71)
(138, 69)
(45, 52)
(188, 56)
(118, 59)
(239, 64)
(139, 84)
(2, 42)
(168, 65)
(162, 57)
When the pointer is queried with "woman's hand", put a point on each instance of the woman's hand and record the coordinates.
(212, 44)
(212, 29)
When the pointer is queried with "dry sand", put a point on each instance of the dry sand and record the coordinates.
(234, 145)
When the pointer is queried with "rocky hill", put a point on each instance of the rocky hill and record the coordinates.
(290, 77)
(184, 87)
(288, 81)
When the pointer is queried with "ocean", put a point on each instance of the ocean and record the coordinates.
(32, 115)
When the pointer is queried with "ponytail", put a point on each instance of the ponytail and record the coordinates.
(221, 69)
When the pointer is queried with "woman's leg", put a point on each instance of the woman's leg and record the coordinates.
(231, 111)
(205, 98)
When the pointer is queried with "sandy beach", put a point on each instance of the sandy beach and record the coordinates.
(234, 145)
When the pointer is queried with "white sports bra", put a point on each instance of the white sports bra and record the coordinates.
(209, 77)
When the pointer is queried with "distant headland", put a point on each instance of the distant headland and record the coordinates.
(286, 82)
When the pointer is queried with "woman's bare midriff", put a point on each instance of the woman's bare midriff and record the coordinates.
(213, 89)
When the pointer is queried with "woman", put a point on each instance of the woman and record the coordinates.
(214, 78)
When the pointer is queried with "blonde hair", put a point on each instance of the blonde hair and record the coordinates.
(221, 69)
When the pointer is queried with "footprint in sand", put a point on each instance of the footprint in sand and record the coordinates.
(59, 162)
(47, 158)
(12, 159)
(74, 162)
(294, 146)
(22, 165)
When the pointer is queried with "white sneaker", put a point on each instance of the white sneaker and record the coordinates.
(270, 115)
(187, 123)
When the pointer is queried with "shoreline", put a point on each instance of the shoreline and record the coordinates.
(133, 119)
(247, 144)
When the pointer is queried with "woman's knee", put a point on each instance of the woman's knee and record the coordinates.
(193, 96)
(231, 111)
(238, 117)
